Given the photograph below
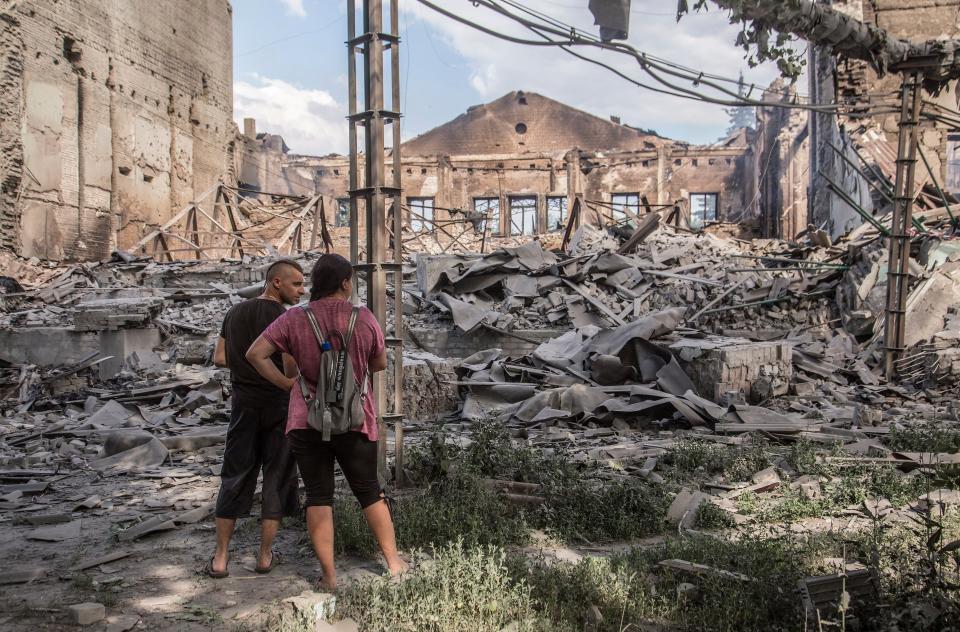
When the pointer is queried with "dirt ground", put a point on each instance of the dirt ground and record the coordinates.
(155, 586)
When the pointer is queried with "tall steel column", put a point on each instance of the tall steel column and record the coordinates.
(898, 275)
(374, 191)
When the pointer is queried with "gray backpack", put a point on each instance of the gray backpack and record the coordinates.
(336, 406)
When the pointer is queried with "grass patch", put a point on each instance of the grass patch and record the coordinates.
(487, 589)
(594, 511)
(630, 590)
(735, 463)
(709, 516)
(924, 439)
(452, 508)
(460, 589)
(454, 504)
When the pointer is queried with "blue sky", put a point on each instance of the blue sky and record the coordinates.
(290, 68)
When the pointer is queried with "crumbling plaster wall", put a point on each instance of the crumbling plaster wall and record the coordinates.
(115, 115)
(11, 147)
(782, 167)
(915, 20)
(454, 182)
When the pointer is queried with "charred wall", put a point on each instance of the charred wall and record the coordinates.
(454, 183)
(115, 115)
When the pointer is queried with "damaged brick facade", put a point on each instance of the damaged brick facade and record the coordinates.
(526, 151)
(112, 117)
(915, 20)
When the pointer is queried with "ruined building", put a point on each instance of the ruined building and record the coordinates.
(112, 116)
(828, 152)
(521, 160)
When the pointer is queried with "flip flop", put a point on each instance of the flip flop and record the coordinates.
(212, 574)
(274, 561)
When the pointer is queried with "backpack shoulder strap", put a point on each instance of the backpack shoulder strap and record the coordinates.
(313, 325)
(353, 325)
(304, 389)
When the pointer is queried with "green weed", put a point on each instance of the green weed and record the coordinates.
(924, 439)
(460, 589)
(709, 516)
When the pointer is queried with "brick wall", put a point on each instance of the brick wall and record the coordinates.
(454, 182)
(125, 115)
(759, 370)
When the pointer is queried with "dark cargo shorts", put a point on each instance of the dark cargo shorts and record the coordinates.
(255, 441)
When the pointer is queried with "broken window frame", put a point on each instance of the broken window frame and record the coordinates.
(557, 209)
(342, 217)
(489, 207)
(425, 208)
(621, 201)
(699, 215)
(527, 207)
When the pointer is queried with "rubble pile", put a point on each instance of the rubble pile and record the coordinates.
(106, 376)
(724, 284)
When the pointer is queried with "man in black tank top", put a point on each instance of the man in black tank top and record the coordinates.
(256, 436)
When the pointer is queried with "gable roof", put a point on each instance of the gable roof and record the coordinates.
(521, 122)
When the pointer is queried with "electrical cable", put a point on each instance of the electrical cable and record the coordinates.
(647, 62)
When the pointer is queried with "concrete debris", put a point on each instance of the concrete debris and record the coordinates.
(86, 613)
(617, 352)
(21, 575)
(57, 533)
(320, 607)
(702, 569)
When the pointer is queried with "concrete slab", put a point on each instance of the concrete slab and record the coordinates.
(46, 346)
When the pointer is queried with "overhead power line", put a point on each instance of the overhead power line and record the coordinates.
(555, 33)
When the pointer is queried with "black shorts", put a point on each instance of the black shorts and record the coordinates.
(255, 441)
(357, 456)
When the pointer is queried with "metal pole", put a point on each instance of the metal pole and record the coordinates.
(352, 111)
(374, 200)
(398, 325)
(898, 279)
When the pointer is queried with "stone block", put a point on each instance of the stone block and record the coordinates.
(116, 313)
(317, 607)
(719, 365)
(121, 344)
(46, 346)
(426, 391)
(86, 613)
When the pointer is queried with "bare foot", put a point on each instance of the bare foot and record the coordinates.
(265, 559)
(398, 567)
(323, 586)
(219, 564)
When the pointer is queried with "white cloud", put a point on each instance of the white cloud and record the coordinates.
(702, 40)
(310, 121)
(295, 7)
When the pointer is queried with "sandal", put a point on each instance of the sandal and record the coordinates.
(212, 574)
(274, 561)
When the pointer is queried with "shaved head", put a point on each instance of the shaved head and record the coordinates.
(282, 267)
(284, 281)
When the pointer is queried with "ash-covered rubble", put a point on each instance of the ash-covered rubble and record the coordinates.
(679, 335)
(695, 336)
(773, 285)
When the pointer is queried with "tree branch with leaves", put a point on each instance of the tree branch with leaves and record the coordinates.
(767, 27)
